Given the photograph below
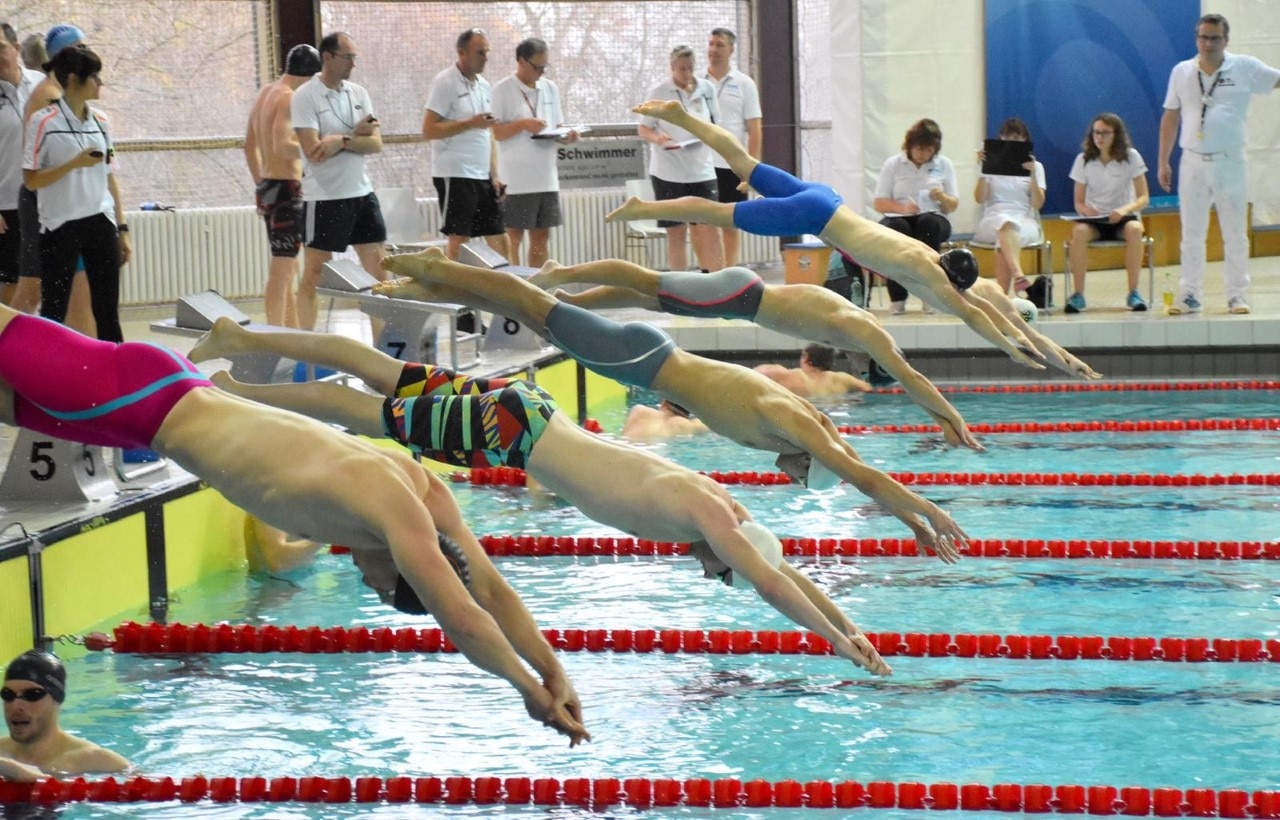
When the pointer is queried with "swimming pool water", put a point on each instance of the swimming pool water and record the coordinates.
(774, 717)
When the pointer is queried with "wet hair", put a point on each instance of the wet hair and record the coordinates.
(302, 61)
(720, 31)
(407, 601)
(40, 668)
(680, 52)
(1014, 127)
(1215, 20)
(1119, 145)
(924, 134)
(329, 44)
(465, 38)
(820, 356)
(33, 51)
(80, 63)
(530, 47)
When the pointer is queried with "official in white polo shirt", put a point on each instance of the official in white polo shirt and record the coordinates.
(526, 104)
(16, 84)
(336, 126)
(680, 165)
(1209, 95)
(740, 115)
(68, 160)
(464, 160)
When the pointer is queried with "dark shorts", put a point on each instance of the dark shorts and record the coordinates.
(469, 206)
(10, 246)
(280, 205)
(334, 224)
(727, 186)
(29, 224)
(528, 212)
(674, 190)
(1113, 231)
(494, 429)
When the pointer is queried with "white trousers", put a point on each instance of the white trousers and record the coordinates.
(1220, 180)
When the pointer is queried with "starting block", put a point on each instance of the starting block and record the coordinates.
(200, 310)
(194, 316)
(408, 326)
(44, 468)
(504, 333)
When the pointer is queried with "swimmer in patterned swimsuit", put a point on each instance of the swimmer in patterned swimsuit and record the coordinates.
(280, 467)
(620, 486)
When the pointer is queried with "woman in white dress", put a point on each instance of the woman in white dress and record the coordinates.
(1011, 211)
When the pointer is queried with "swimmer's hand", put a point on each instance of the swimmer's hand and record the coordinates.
(541, 706)
(1019, 355)
(946, 538)
(1084, 371)
(959, 436)
(565, 699)
(860, 651)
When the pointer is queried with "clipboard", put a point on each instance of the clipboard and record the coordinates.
(1004, 158)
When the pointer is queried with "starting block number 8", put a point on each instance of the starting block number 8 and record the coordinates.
(43, 468)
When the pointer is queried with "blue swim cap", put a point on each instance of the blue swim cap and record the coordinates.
(61, 36)
(42, 669)
(961, 267)
(407, 601)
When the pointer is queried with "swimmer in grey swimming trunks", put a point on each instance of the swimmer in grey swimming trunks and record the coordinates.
(792, 207)
(731, 400)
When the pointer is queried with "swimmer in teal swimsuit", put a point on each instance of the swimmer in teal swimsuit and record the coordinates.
(733, 401)
(792, 207)
(624, 487)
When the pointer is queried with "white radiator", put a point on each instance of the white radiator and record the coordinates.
(225, 249)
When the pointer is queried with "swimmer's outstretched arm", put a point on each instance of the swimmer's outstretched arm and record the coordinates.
(16, 772)
(965, 306)
(828, 607)
(1053, 353)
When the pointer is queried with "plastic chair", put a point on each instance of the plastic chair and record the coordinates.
(1148, 252)
(405, 221)
(640, 232)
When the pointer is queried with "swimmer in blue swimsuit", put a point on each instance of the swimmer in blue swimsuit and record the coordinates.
(792, 207)
(733, 401)
(806, 312)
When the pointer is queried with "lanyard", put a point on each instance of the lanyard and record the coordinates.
(1206, 96)
(72, 119)
(351, 108)
(533, 106)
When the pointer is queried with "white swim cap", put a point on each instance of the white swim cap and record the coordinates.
(819, 477)
(1027, 310)
(765, 542)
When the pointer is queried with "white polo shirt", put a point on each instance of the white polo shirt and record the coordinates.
(456, 98)
(1109, 186)
(54, 136)
(332, 111)
(900, 179)
(692, 164)
(1223, 97)
(527, 165)
(1011, 196)
(13, 101)
(739, 101)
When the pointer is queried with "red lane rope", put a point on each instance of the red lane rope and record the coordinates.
(1102, 387)
(592, 546)
(515, 477)
(151, 638)
(1145, 426)
(643, 792)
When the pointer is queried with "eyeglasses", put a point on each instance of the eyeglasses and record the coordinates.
(1097, 133)
(1210, 38)
(29, 695)
(539, 68)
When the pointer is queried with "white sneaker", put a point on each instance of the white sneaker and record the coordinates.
(1185, 304)
(1237, 304)
(927, 309)
(898, 308)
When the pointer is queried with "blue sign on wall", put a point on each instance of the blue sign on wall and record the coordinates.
(1059, 63)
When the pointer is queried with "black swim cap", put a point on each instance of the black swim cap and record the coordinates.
(303, 61)
(40, 668)
(407, 601)
(961, 267)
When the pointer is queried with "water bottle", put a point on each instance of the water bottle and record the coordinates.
(1167, 295)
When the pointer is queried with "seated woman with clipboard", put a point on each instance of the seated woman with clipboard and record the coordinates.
(1011, 192)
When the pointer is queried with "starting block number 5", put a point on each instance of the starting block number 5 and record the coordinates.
(43, 468)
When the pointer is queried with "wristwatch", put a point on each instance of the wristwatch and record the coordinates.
(122, 228)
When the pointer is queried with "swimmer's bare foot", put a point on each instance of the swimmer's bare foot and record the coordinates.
(406, 288)
(225, 339)
(669, 110)
(427, 266)
(224, 381)
(631, 209)
(548, 277)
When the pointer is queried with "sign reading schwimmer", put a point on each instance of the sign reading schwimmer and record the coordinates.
(600, 163)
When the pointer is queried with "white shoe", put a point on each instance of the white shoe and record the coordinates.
(1237, 304)
(898, 308)
(927, 309)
